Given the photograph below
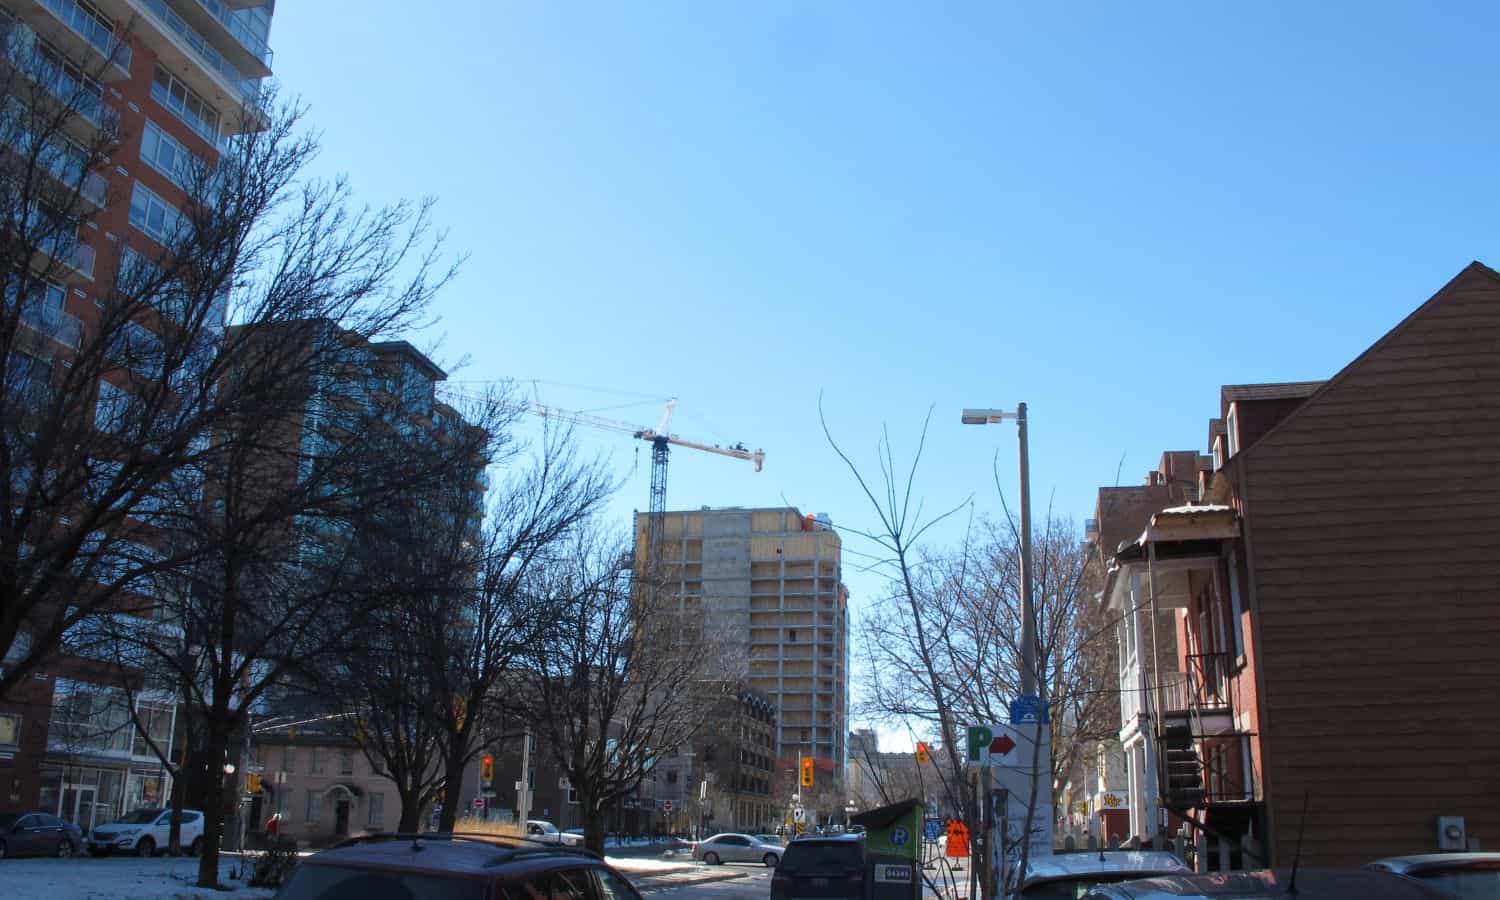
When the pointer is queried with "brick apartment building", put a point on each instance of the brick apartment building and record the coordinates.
(171, 80)
(1323, 606)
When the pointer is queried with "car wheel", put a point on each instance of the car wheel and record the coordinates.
(711, 858)
(771, 861)
(196, 847)
(146, 847)
(64, 849)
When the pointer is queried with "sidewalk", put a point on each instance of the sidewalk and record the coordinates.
(118, 878)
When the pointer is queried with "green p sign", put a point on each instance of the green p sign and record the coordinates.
(979, 741)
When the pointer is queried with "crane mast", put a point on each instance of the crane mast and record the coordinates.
(661, 440)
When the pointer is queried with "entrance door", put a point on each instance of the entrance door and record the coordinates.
(341, 817)
(78, 806)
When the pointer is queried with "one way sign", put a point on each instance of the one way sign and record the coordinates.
(993, 745)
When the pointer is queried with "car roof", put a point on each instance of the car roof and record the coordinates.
(445, 854)
(1312, 884)
(833, 839)
(1106, 862)
(1425, 862)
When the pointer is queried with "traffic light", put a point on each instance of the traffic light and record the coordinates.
(252, 783)
(924, 755)
(807, 771)
(487, 769)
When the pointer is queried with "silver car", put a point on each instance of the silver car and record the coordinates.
(723, 848)
(1463, 875)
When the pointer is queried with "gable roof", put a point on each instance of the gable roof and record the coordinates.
(1473, 270)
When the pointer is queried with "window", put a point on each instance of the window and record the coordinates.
(613, 887)
(1236, 626)
(155, 216)
(314, 806)
(708, 753)
(791, 635)
(10, 729)
(113, 410)
(138, 349)
(672, 777)
(184, 103)
(157, 719)
(88, 717)
(168, 156)
(289, 759)
(316, 767)
(1232, 428)
(806, 735)
(377, 811)
(346, 762)
(29, 378)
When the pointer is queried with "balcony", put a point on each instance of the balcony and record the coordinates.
(1202, 695)
(65, 167)
(79, 35)
(92, 115)
(200, 62)
(217, 21)
(66, 249)
(54, 323)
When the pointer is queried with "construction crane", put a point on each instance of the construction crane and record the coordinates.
(660, 439)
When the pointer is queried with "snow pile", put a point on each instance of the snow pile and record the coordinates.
(117, 878)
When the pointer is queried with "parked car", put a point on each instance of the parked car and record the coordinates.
(1064, 876)
(38, 834)
(769, 839)
(573, 837)
(543, 832)
(1464, 875)
(1311, 884)
(145, 831)
(821, 868)
(443, 866)
(723, 848)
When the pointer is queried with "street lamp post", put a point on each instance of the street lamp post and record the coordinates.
(1028, 618)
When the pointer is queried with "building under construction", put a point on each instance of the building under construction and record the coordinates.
(770, 587)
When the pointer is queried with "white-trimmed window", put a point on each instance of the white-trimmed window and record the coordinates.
(377, 811)
(168, 156)
(1237, 627)
(314, 806)
(153, 215)
(183, 102)
(1232, 427)
(113, 411)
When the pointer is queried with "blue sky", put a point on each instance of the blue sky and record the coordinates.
(1104, 209)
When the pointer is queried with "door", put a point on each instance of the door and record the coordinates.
(341, 817)
(737, 849)
(78, 806)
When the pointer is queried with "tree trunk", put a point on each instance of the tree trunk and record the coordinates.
(213, 813)
(411, 811)
(453, 774)
(174, 836)
(593, 821)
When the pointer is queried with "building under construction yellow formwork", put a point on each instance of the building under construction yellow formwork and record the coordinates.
(770, 587)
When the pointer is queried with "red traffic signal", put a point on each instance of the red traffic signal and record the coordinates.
(487, 768)
(807, 771)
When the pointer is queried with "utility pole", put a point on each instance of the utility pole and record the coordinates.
(523, 791)
(1028, 614)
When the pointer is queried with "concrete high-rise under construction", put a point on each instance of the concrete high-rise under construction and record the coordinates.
(770, 586)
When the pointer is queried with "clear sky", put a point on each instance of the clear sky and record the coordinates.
(1104, 209)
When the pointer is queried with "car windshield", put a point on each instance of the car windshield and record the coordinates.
(323, 882)
(140, 817)
(1470, 884)
(805, 856)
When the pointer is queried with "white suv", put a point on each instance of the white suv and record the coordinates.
(145, 831)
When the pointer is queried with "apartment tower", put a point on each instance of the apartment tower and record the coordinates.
(168, 81)
(770, 586)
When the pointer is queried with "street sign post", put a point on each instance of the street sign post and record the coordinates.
(666, 806)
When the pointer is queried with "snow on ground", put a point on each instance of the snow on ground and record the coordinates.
(632, 865)
(115, 878)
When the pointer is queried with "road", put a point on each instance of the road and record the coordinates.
(755, 885)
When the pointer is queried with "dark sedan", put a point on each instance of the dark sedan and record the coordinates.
(38, 834)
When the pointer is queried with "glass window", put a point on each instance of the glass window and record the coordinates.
(192, 109)
(346, 762)
(613, 887)
(314, 806)
(155, 216)
(377, 811)
(10, 728)
(289, 759)
(317, 762)
(168, 156)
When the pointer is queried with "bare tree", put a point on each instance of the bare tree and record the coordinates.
(625, 676)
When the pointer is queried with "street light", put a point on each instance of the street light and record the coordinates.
(1028, 624)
